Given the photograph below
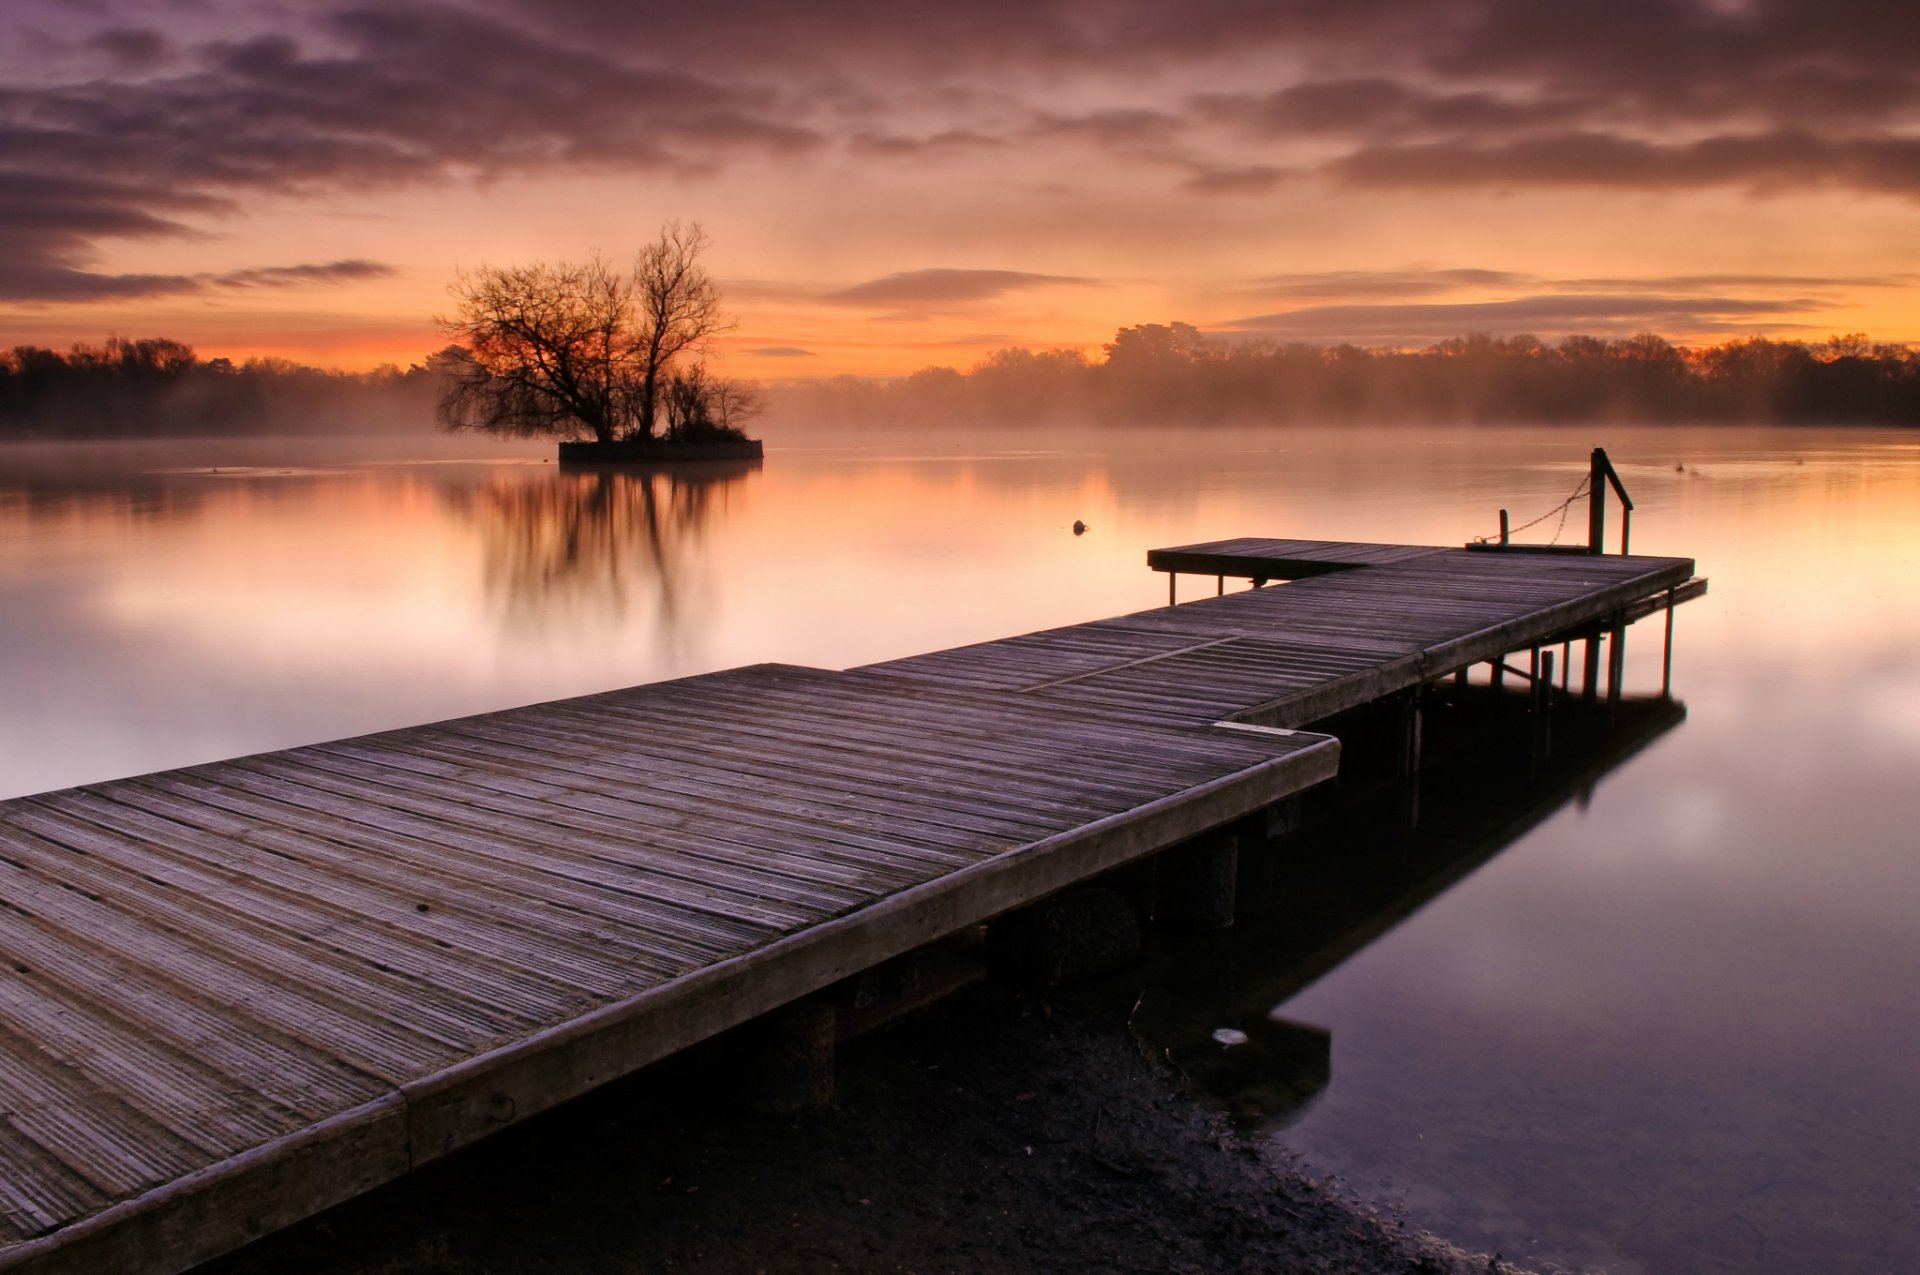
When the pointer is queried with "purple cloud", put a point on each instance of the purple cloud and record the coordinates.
(945, 287)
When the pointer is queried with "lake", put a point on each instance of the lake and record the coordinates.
(1670, 1028)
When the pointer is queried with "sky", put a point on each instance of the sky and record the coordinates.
(888, 186)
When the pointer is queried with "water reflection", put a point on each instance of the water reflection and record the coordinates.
(572, 547)
(1693, 997)
(1355, 868)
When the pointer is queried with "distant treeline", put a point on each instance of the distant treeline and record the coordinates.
(159, 388)
(1147, 373)
(1171, 372)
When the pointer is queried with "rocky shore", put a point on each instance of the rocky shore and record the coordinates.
(1000, 1130)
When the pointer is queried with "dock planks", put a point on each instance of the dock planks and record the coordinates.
(234, 994)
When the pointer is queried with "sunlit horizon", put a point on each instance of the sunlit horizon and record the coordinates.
(889, 194)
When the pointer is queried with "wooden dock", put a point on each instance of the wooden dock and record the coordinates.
(234, 994)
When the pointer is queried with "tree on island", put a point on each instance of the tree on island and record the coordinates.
(577, 349)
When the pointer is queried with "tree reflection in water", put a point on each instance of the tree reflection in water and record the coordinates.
(583, 547)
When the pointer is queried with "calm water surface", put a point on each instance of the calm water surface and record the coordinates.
(1673, 1030)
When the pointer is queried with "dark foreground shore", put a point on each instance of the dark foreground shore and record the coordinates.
(1000, 1130)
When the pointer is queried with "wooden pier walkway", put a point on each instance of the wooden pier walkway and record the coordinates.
(233, 994)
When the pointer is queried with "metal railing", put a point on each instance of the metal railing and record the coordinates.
(1597, 503)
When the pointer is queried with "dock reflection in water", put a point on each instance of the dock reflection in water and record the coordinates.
(581, 546)
(1352, 870)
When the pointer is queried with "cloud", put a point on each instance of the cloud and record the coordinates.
(132, 48)
(948, 142)
(1116, 128)
(1546, 314)
(33, 281)
(1770, 161)
(49, 223)
(945, 287)
(363, 98)
(780, 352)
(332, 272)
(1409, 282)
(1426, 281)
(1245, 179)
(1690, 283)
(1378, 106)
(1246, 100)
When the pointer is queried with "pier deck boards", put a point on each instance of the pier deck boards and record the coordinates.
(233, 994)
(1356, 622)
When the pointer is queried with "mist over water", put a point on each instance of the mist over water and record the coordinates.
(1671, 1029)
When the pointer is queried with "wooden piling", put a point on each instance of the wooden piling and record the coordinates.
(1194, 883)
(785, 1063)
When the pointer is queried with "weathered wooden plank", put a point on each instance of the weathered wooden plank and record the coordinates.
(468, 1101)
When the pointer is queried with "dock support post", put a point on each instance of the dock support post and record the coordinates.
(1220, 586)
(1171, 600)
(788, 1063)
(1590, 670)
(1542, 707)
(1666, 655)
(1411, 730)
(1074, 935)
(1410, 723)
(1497, 671)
(1616, 662)
(1257, 861)
(1194, 882)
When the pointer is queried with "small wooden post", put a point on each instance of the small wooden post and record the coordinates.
(1590, 668)
(1597, 502)
(1505, 538)
(1194, 882)
(1171, 600)
(1220, 591)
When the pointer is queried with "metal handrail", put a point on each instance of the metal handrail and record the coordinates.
(1597, 503)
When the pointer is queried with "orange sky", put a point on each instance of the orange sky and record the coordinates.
(887, 187)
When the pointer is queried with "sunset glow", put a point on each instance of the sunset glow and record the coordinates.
(889, 188)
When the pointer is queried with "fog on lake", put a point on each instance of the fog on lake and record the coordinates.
(1669, 1028)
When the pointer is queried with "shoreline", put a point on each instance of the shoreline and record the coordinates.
(999, 1129)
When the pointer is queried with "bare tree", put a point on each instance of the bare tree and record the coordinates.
(678, 304)
(550, 351)
(577, 349)
(702, 405)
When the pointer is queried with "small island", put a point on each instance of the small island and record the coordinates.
(611, 363)
(659, 451)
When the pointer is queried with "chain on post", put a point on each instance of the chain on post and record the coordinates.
(1560, 509)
